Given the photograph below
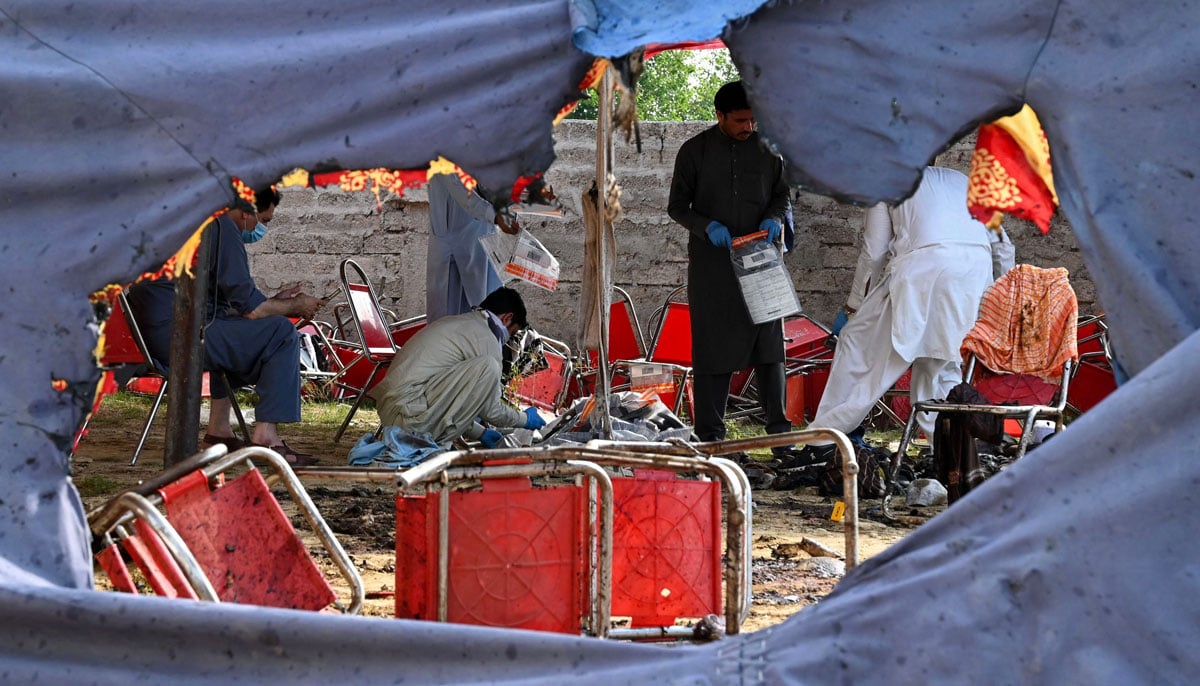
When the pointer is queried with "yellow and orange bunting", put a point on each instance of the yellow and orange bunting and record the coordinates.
(1011, 172)
(444, 166)
(297, 178)
(243, 191)
(590, 80)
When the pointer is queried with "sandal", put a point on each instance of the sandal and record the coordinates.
(231, 442)
(292, 457)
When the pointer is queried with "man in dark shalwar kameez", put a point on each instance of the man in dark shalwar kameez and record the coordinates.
(727, 184)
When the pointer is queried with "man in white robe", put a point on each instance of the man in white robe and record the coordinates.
(448, 376)
(922, 270)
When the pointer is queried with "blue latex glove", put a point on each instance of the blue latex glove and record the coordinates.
(772, 228)
(839, 321)
(533, 420)
(490, 438)
(718, 235)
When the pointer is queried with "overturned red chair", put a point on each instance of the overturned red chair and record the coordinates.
(552, 387)
(191, 533)
(548, 539)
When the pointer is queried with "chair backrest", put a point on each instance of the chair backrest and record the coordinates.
(625, 339)
(368, 318)
(673, 339)
(1026, 324)
(120, 344)
(804, 339)
(548, 388)
(404, 330)
(134, 332)
(1093, 339)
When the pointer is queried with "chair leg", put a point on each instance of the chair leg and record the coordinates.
(149, 420)
(237, 408)
(237, 412)
(357, 401)
(910, 430)
(1026, 434)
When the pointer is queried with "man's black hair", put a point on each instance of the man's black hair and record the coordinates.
(265, 197)
(731, 97)
(505, 300)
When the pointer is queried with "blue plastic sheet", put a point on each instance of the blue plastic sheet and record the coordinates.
(122, 121)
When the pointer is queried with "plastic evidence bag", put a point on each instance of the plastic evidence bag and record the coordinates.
(521, 256)
(766, 286)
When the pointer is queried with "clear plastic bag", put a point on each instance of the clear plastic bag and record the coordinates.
(766, 286)
(522, 256)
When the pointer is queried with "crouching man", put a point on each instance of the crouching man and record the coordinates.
(448, 376)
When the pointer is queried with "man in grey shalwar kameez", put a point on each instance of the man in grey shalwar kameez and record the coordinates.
(727, 184)
(458, 274)
(448, 376)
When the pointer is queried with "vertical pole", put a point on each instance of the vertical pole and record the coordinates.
(603, 168)
(186, 362)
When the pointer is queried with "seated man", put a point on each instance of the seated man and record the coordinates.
(448, 376)
(246, 335)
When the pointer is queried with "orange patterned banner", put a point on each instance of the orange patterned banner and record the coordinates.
(1010, 172)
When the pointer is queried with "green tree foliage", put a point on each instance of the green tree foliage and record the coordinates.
(677, 85)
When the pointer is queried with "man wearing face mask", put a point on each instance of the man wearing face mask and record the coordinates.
(246, 335)
(448, 376)
(266, 199)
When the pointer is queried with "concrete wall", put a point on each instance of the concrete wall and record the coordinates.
(314, 229)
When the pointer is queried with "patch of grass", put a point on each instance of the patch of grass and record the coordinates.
(98, 485)
(747, 428)
(127, 407)
(331, 413)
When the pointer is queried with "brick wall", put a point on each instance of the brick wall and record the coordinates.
(315, 229)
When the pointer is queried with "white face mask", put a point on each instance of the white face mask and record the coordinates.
(254, 235)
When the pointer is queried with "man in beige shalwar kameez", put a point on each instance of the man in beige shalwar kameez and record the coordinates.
(448, 377)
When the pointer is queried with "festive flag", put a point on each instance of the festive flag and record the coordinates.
(1010, 172)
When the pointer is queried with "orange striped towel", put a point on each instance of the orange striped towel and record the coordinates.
(1027, 323)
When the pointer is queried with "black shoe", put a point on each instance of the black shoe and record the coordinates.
(740, 458)
(809, 456)
(760, 477)
(786, 480)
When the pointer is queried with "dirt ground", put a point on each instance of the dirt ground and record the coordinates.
(785, 577)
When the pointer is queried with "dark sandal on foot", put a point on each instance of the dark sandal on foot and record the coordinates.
(292, 457)
(231, 442)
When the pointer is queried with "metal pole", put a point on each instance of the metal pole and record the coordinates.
(603, 167)
(184, 381)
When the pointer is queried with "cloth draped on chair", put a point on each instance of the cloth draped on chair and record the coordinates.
(1026, 323)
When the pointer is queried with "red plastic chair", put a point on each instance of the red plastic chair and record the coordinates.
(1093, 378)
(671, 348)
(154, 369)
(625, 341)
(375, 349)
(1010, 393)
(549, 388)
(193, 534)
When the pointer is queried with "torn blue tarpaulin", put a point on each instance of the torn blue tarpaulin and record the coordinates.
(121, 123)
